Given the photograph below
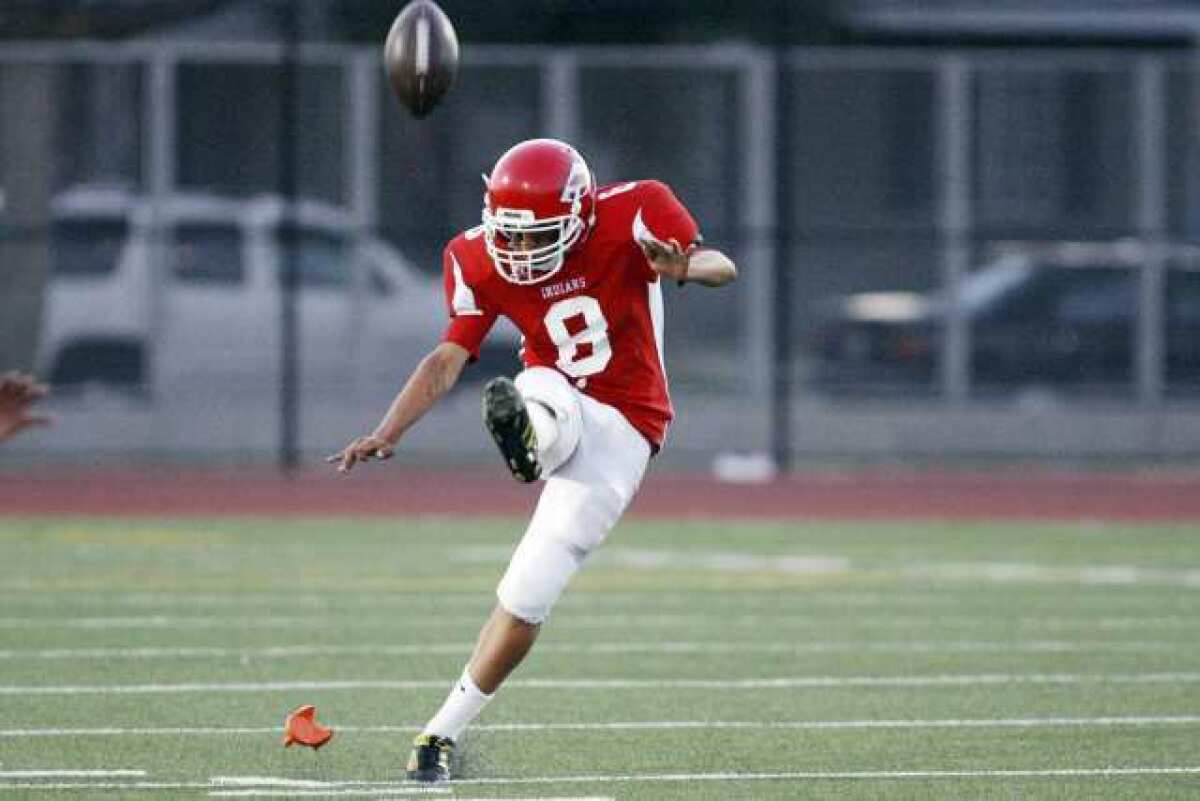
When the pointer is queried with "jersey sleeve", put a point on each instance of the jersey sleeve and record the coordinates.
(470, 319)
(662, 217)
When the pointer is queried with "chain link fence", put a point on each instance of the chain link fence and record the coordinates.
(985, 252)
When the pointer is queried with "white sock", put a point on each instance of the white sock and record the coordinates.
(462, 706)
(545, 425)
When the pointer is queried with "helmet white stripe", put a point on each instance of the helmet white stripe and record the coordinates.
(578, 182)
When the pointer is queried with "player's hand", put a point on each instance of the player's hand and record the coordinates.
(668, 259)
(17, 393)
(363, 449)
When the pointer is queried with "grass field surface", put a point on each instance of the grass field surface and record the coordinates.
(725, 660)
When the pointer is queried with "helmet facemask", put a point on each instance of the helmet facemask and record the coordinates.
(531, 264)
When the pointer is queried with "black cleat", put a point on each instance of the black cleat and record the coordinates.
(507, 419)
(430, 759)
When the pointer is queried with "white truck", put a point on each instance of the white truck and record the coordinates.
(157, 298)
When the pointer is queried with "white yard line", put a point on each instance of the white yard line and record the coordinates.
(377, 792)
(813, 725)
(800, 682)
(143, 731)
(172, 622)
(996, 572)
(265, 652)
(24, 787)
(266, 781)
(655, 647)
(781, 619)
(1107, 772)
(865, 775)
(284, 787)
(970, 723)
(71, 774)
(831, 565)
(385, 792)
(336, 600)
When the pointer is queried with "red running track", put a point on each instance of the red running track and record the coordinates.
(396, 491)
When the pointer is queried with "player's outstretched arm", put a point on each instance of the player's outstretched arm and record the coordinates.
(710, 267)
(17, 394)
(701, 265)
(434, 377)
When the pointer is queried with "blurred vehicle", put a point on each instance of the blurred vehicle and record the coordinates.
(211, 310)
(1051, 314)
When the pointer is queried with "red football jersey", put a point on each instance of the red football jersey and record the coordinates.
(599, 319)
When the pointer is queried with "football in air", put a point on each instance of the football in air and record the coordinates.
(421, 56)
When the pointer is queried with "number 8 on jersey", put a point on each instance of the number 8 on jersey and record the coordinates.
(579, 330)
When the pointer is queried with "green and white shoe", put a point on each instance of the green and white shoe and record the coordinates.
(430, 759)
(508, 422)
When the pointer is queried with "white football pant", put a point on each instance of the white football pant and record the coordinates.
(592, 469)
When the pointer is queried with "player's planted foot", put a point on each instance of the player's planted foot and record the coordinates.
(430, 759)
(507, 419)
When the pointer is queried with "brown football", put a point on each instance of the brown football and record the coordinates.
(421, 56)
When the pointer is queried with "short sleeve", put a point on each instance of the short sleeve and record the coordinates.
(470, 319)
(662, 217)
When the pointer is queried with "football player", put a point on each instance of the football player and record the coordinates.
(578, 268)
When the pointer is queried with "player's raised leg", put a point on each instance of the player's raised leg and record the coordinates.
(535, 421)
(582, 501)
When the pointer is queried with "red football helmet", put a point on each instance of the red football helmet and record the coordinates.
(540, 202)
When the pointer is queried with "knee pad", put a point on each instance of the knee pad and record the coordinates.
(536, 577)
(572, 519)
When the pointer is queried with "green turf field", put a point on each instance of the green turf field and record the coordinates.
(690, 661)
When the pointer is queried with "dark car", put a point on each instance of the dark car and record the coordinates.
(1056, 315)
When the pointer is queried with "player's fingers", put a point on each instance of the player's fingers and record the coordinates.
(385, 452)
(340, 456)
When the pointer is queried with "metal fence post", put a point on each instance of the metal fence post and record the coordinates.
(289, 412)
(781, 344)
(1151, 223)
(361, 74)
(560, 95)
(158, 163)
(758, 221)
(954, 221)
(361, 71)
